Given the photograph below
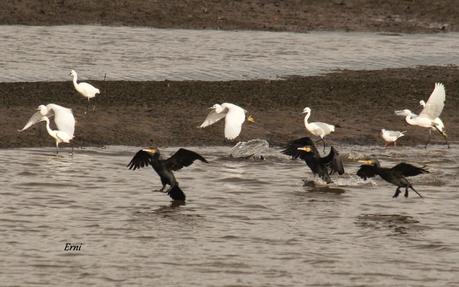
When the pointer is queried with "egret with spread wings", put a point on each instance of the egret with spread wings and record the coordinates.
(305, 149)
(429, 116)
(234, 118)
(63, 118)
(164, 167)
(396, 175)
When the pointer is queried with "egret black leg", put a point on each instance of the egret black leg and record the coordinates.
(406, 191)
(397, 192)
(94, 106)
(446, 140)
(428, 139)
(416, 191)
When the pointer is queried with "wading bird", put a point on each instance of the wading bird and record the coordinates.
(164, 167)
(395, 175)
(391, 137)
(305, 149)
(63, 118)
(234, 118)
(429, 114)
(437, 121)
(86, 90)
(318, 129)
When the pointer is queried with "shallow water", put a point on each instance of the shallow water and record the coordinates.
(48, 53)
(245, 223)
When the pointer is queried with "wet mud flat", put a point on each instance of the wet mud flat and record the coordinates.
(167, 113)
(289, 15)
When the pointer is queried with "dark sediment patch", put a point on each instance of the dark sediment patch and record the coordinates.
(286, 15)
(168, 112)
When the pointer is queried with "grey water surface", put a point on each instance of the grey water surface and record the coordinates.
(48, 53)
(245, 223)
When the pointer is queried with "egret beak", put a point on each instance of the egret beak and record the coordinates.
(305, 148)
(366, 161)
(250, 119)
(150, 150)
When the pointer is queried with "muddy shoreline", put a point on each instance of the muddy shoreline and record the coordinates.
(269, 15)
(167, 113)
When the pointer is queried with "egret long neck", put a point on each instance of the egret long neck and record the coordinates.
(75, 84)
(308, 114)
(410, 120)
(48, 128)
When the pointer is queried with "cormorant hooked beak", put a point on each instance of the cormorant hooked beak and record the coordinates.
(150, 150)
(305, 148)
(250, 119)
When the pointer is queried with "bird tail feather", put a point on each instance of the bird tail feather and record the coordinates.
(176, 193)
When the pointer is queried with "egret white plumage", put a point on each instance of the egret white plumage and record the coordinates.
(437, 121)
(391, 137)
(429, 114)
(63, 118)
(85, 89)
(318, 129)
(234, 116)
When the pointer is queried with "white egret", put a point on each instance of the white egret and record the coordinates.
(318, 129)
(429, 113)
(63, 118)
(85, 89)
(234, 118)
(438, 122)
(391, 136)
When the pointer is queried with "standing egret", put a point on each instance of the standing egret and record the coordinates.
(395, 175)
(305, 149)
(164, 168)
(429, 114)
(391, 136)
(318, 129)
(234, 118)
(86, 90)
(63, 118)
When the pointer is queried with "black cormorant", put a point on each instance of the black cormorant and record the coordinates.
(305, 149)
(395, 175)
(164, 167)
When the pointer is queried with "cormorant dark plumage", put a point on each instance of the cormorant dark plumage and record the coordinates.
(305, 149)
(164, 167)
(395, 175)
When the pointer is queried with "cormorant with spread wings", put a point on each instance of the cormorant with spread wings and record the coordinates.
(164, 167)
(305, 149)
(395, 175)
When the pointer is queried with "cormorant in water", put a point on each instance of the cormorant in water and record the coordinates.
(395, 175)
(305, 149)
(164, 167)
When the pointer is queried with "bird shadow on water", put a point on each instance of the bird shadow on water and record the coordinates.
(312, 186)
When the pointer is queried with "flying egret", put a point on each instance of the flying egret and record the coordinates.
(429, 114)
(63, 118)
(305, 149)
(86, 90)
(391, 136)
(438, 122)
(234, 118)
(395, 175)
(164, 168)
(318, 129)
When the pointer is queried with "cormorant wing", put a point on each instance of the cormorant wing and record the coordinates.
(140, 159)
(407, 169)
(333, 161)
(435, 103)
(181, 158)
(292, 148)
(365, 171)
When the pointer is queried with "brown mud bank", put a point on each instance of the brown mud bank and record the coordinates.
(168, 113)
(285, 15)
